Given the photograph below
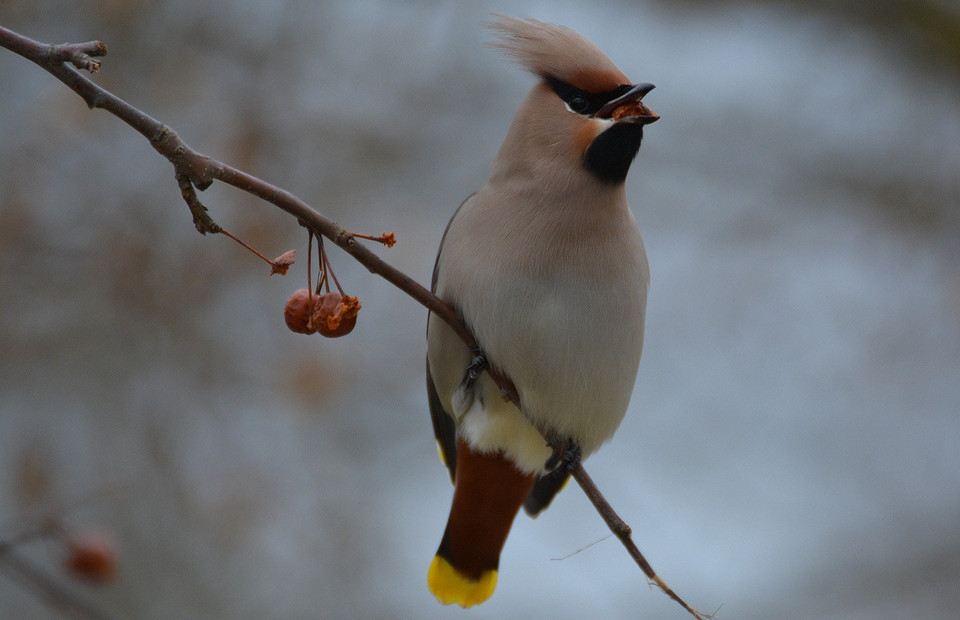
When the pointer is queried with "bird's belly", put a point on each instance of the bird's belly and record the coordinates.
(574, 371)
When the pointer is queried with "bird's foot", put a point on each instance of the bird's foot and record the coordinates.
(477, 366)
(566, 455)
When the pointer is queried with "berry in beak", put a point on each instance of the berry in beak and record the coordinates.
(629, 107)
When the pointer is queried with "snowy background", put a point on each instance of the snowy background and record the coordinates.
(793, 444)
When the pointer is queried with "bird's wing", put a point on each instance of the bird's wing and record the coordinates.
(436, 262)
(544, 490)
(444, 426)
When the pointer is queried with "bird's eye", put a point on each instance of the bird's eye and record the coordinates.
(578, 104)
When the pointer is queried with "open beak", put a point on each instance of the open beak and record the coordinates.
(629, 107)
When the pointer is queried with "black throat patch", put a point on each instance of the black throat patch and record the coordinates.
(611, 153)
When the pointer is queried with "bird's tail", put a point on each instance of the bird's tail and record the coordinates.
(489, 492)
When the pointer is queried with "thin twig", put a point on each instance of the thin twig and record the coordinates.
(200, 171)
(581, 549)
(622, 531)
(201, 217)
(224, 231)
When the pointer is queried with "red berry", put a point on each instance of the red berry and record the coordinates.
(92, 557)
(298, 311)
(336, 314)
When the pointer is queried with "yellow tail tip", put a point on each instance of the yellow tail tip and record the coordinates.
(450, 586)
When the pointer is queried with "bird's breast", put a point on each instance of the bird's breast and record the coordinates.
(559, 309)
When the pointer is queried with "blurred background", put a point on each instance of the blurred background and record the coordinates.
(793, 444)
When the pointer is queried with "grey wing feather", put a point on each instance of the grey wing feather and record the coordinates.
(444, 427)
(543, 492)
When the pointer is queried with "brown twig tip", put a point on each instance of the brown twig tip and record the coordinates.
(659, 583)
(388, 238)
(80, 55)
(82, 61)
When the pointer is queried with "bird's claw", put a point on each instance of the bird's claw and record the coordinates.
(566, 455)
(477, 365)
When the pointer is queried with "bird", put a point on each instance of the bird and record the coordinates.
(546, 267)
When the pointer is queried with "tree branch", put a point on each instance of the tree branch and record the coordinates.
(193, 169)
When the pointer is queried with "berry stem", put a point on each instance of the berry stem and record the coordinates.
(322, 263)
(309, 259)
(329, 270)
(226, 232)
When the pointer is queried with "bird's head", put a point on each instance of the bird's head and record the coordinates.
(584, 111)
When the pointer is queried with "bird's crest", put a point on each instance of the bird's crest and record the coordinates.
(548, 50)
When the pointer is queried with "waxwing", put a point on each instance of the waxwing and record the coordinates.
(546, 267)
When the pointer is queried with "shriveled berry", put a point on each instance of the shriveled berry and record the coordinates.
(336, 314)
(299, 309)
(281, 264)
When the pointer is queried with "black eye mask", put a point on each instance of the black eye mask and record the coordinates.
(581, 101)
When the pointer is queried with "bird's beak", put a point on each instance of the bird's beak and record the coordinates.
(629, 107)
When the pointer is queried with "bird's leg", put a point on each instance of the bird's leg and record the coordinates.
(477, 366)
(566, 450)
(463, 395)
(566, 454)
